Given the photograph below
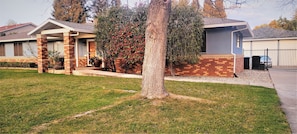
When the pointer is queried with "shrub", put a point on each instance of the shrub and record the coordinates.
(18, 64)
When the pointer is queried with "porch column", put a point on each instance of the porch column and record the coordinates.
(69, 59)
(42, 60)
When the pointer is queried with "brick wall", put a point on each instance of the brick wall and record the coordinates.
(208, 65)
(19, 59)
(132, 69)
(239, 64)
(82, 62)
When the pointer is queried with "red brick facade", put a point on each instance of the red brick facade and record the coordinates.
(135, 69)
(208, 65)
(239, 64)
(82, 62)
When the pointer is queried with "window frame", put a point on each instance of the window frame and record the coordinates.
(2, 49)
(238, 42)
(203, 47)
(18, 48)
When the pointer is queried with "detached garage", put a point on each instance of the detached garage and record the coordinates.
(280, 45)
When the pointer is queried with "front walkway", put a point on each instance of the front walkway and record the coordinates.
(248, 77)
(285, 82)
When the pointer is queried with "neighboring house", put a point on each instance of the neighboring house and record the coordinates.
(16, 28)
(16, 45)
(281, 45)
(221, 53)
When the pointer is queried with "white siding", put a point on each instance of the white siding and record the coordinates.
(56, 46)
(9, 50)
(30, 49)
(287, 56)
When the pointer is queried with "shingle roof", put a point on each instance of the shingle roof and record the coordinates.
(223, 22)
(268, 32)
(77, 26)
(211, 21)
(11, 27)
(52, 23)
(16, 37)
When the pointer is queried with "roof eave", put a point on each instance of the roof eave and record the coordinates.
(225, 24)
(266, 39)
(14, 40)
(34, 31)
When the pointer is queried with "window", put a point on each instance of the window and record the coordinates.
(238, 41)
(203, 47)
(2, 49)
(18, 49)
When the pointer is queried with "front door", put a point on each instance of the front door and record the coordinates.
(91, 51)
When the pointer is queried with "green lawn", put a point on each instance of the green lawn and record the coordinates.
(29, 99)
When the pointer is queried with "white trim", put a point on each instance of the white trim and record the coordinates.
(88, 52)
(76, 52)
(41, 25)
(50, 21)
(58, 24)
(225, 24)
(270, 39)
(232, 50)
(14, 40)
(54, 31)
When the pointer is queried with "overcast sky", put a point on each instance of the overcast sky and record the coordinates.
(255, 12)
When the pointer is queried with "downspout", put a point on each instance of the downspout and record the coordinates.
(232, 50)
(76, 52)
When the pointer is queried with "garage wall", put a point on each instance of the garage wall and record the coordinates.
(283, 52)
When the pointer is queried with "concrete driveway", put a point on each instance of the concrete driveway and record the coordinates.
(285, 83)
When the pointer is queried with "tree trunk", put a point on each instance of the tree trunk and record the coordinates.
(155, 50)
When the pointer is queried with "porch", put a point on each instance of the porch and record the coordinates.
(78, 44)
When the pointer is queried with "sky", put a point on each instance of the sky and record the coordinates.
(255, 12)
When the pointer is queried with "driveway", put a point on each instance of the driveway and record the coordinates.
(285, 83)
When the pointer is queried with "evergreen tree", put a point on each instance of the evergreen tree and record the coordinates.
(70, 10)
(185, 32)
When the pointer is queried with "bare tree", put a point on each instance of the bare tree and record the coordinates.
(11, 22)
(155, 49)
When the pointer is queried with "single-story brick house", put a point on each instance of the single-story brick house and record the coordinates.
(221, 54)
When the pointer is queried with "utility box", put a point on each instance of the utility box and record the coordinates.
(255, 62)
(246, 62)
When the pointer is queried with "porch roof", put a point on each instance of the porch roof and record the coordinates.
(56, 26)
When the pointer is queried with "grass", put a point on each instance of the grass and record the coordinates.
(29, 99)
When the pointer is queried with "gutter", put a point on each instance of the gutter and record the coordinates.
(232, 50)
